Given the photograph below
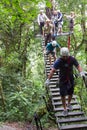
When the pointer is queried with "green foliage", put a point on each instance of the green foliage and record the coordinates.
(21, 59)
(81, 91)
(21, 98)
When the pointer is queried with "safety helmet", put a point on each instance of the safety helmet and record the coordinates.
(54, 43)
(64, 51)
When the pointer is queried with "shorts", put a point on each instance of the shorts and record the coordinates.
(59, 24)
(50, 52)
(66, 88)
(56, 23)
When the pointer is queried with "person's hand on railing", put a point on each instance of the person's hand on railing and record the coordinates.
(84, 77)
(47, 82)
(82, 74)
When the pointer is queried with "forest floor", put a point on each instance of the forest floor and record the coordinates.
(21, 126)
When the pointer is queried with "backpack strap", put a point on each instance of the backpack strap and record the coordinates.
(68, 61)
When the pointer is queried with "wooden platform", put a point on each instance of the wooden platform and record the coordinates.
(4, 127)
(64, 34)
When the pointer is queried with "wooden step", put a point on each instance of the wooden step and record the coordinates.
(47, 68)
(55, 94)
(59, 98)
(64, 33)
(61, 108)
(60, 103)
(48, 71)
(52, 83)
(74, 127)
(54, 89)
(47, 62)
(77, 113)
(54, 79)
(71, 120)
(52, 86)
(55, 75)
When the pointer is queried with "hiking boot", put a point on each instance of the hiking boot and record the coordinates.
(65, 113)
(69, 106)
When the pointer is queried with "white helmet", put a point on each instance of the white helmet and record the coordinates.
(54, 43)
(64, 51)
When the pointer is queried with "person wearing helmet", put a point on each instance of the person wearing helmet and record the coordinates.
(50, 50)
(66, 80)
(64, 52)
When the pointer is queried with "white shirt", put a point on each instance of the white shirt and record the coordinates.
(41, 18)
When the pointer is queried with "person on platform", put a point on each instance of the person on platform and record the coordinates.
(60, 21)
(47, 31)
(71, 19)
(41, 20)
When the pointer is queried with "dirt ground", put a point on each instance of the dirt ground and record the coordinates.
(19, 125)
(23, 126)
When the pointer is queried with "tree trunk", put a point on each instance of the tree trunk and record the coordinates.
(84, 30)
(2, 96)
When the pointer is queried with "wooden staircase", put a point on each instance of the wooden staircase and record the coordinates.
(76, 119)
